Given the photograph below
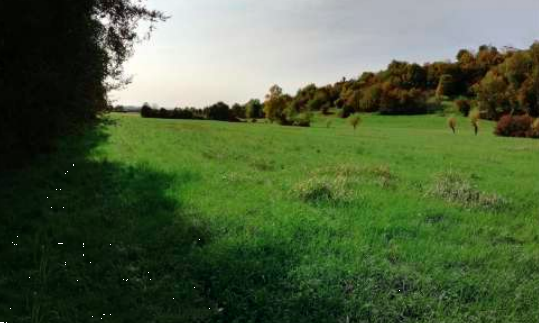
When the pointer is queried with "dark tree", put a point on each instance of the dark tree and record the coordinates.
(57, 63)
(219, 111)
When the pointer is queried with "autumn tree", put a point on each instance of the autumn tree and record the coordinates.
(445, 86)
(276, 104)
(492, 95)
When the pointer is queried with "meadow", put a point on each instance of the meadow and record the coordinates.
(206, 221)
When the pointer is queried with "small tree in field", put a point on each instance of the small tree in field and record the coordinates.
(535, 127)
(452, 123)
(474, 118)
(354, 120)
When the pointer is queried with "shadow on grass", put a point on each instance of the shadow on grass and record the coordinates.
(77, 242)
(83, 240)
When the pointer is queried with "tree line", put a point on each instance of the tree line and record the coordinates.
(494, 82)
(219, 111)
(490, 81)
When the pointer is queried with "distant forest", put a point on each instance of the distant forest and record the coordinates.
(491, 81)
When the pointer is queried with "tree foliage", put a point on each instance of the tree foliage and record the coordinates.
(58, 62)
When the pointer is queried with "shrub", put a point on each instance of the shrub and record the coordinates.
(535, 128)
(463, 106)
(455, 188)
(345, 112)
(515, 126)
(452, 123)
(474, 119)
(301, 120)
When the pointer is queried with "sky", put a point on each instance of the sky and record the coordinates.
(234, 50)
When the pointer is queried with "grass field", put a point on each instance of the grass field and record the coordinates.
(198, 221)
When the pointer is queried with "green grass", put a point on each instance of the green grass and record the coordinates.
(241, 222)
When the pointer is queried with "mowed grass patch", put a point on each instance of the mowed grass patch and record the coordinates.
(390, 253)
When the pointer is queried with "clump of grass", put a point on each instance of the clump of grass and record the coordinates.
(324, 189)
(234, 177)
(456, 188)
(474, 119)
(452, 123)
(263, 164)
(383, 174)
(328, 124)
(354, 173)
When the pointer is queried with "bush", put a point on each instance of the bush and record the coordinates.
(302, 120)
(464, 106)
(345, 112)
(535, 128)
(474, 119)
(516, 126)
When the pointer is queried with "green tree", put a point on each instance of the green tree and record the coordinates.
(492, 95)
(253, 109)
(275, 106)
(219, 111)
(238, 110)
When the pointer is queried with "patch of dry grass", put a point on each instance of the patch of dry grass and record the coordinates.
(456, 188)
(324, 189)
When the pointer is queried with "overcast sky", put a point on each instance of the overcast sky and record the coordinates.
(234, 50)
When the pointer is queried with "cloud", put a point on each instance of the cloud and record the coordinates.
(233, 50)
